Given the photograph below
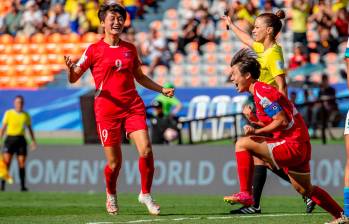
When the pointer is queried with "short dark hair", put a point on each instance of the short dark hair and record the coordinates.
(113, 7)
(247, 62)
(20, 97)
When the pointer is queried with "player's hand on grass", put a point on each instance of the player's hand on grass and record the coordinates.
(169, 92)
(69, 63)
(33, 146)
(249, 130)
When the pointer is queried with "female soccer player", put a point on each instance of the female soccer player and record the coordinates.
(14, 123)
(269, 55)
(115, 65)
(289, 148)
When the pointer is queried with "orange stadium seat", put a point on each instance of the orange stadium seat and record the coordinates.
(195, 80)
(22, 39)
(72, 38)
(178, 58)
(38, 48)
(54, 48)
(193, 58)
(55, 38)
(6, 39)
(209, 47)
(210, 59)
(212, 81)
(174, 25)
(161, 70)
(193, 70)
(177, 70)
(178, 80)
(210, 70)
(90, 37)
(192, 47)
(38, 38)
(225, 35)
(226, 47)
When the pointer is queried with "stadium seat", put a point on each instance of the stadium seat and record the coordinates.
(193, 70)
(210, 59)
(238, 103)
(72, 38)
(178, 80)
(161, 70)
(6, 39)
(192, 47)
(55, 38)
(198, 108)
(178, 58)
(219, 106)
(22, 39)
(209, 48)
(90, 37)
(38, 38)
(194, 80)
(177, 70)
(209, 70)
(193, 58)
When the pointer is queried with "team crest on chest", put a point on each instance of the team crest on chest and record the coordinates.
(118, 64)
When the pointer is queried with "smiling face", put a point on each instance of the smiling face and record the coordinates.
(260, 30)
(241, 81)
(113, 23)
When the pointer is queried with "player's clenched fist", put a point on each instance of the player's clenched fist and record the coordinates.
(169, 92)
(249, 130)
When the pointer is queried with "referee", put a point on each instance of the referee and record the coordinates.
(14, 123)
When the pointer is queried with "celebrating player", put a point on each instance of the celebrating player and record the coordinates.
(269, 55)
(14, 123)
(114, 64)
(289, 149)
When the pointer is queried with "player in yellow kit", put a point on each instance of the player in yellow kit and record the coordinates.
(14, 123)
(269, 55)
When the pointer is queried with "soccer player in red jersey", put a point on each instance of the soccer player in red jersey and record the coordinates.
(289, 148)
(115, 65)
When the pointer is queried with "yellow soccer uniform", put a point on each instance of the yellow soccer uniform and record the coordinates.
(16, 122)
(271, 61)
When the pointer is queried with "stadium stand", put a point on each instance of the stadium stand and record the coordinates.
(39, 57)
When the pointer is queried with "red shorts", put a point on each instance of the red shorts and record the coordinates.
(293, 157)
(109, 131)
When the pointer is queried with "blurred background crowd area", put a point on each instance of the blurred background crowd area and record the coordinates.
(184, 42)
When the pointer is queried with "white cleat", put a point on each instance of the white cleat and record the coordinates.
(112, 204)
(341, 220)
(153, 208)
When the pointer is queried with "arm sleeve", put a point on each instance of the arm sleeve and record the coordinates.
(85, 61)
(28, 119)
(276, 63)
(5, 119)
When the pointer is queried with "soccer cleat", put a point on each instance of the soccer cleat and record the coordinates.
(112, 204)
(243, 198)
(147, 200)
(341, 220)
(310, 204)
(247, 210)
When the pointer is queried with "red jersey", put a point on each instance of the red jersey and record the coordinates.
(269, 101)
(112, 68)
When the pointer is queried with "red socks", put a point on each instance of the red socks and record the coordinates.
(110, 179)
(146, 168)
(245, 168)
(325, 201)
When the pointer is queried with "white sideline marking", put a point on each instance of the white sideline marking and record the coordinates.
(209, 218)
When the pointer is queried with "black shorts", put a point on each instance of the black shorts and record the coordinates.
(15, 145)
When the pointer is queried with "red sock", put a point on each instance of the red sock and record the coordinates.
(146, 168)
(110, 179)
(325, 201)
(245, 170)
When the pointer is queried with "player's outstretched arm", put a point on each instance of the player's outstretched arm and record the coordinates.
(242, 35)
(150, 84)
(74, 71)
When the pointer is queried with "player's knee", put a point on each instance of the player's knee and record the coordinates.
(241, 144)
(114, 165)
(145, 150)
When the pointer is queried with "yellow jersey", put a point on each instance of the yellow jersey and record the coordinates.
(271, 61)
(16, 122)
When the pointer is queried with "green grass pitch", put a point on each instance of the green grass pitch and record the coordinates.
(70, 208)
